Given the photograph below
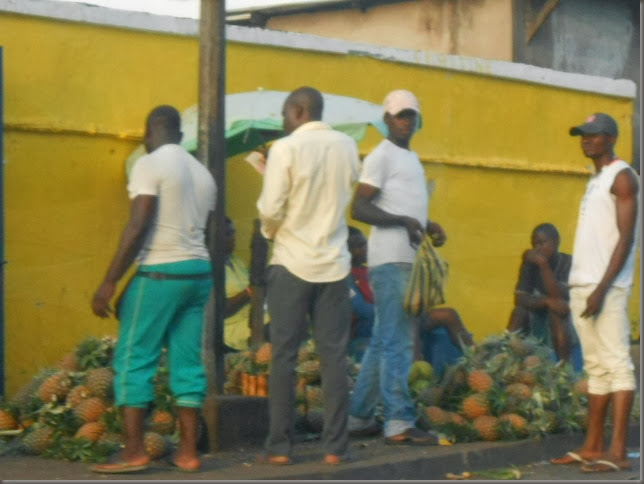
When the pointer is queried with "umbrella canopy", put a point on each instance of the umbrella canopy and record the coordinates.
(255, 118)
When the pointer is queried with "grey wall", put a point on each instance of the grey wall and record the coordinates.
(596, 37)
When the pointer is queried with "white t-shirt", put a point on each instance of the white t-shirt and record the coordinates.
(597, 233)
(308, 184)
(186, 194)
(400, 176)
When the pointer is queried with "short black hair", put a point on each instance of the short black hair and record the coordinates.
(168, 116)
(549, 230)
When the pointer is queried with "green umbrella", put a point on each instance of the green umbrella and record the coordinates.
(254, 119)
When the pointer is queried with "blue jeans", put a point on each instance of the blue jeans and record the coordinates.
(439, 350)
(385, 366)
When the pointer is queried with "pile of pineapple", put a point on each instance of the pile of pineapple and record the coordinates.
(507, 387)
(68, 412)
(245, 367)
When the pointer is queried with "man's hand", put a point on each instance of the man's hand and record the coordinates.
(101, 301)
(557, 305)
(436, 232)
(414, 230)
(535, 257)
(594, 302)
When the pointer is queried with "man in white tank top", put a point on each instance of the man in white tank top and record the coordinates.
(600, 282)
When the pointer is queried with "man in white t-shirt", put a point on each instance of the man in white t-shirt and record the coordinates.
(392, 196)
(601, 279)
(308, 184)
(173, 196)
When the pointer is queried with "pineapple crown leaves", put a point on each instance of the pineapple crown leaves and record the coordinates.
(60, 417)
(82, 449)
(95, 352)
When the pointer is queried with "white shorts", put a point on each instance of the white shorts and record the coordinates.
(605, 340)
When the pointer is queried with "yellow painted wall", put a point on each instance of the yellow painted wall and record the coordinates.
(75, 99)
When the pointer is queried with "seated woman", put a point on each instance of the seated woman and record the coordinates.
(541, 296)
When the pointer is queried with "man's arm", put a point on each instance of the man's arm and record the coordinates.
(625, 189)
(364, 210)
(554, 297)
(275, 190)
(141, 215)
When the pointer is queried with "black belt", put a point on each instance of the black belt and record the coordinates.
(162, 276)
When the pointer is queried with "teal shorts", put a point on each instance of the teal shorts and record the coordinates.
(163, 312)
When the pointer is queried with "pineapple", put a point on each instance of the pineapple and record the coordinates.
(525, 377)
(310, 370)
(55, 387)
(76, 395)
(519, 345)
(300, 390)
(314, 396)
(487, 427)
(263, 355)
(155, 445)
(7, 420)
(90, 410)
(513, 425)
(99, 381)
(532, 361)
(162, 422)
(437, 416)
(307, 352)
(68, 362)
(38, 439)
(90, 431)
(480, 381)
(475, 405)
(520, 391)
(25, 397)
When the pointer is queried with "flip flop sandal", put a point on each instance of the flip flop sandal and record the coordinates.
(118, 468)
(276, 460)
(602, 465)
(414, 436)
(179, 468)
(569, 458)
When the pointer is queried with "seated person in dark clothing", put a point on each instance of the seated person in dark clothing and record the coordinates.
(441, 337)
(541, 295)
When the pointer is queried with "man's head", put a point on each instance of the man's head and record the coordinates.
(163, 126)
(301, 106)
(545, 239)
(598, 135)
(357, 243)
(402, 116)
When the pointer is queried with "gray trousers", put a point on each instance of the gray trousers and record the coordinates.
(291, 301)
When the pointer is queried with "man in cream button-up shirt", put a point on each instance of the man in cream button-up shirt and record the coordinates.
(307, 187)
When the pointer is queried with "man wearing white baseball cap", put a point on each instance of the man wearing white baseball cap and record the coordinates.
(392, 196)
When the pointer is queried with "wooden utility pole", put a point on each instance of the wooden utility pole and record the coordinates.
(211, 150)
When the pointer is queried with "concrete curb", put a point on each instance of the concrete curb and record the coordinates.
(434, 463)
(374, 461)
